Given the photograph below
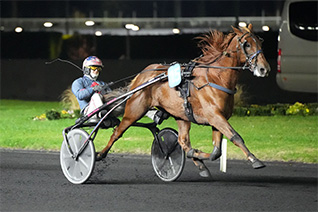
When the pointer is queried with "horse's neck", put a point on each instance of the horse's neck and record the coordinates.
(226, 77)
(231, 58)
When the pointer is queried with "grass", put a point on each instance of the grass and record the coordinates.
(280, 138)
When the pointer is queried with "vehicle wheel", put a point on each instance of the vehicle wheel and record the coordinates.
(168, 158)
(77, 170)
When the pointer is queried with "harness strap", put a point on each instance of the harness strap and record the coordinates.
(184, 89)
(219, 87)
(187, 72)
(189, 111)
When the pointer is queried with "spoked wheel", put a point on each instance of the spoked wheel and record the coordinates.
(77, 170)
(168, 158)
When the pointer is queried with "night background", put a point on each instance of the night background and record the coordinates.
(114, 8)
(51, 44)
(24, 54)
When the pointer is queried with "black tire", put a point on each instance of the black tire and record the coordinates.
(168, 158)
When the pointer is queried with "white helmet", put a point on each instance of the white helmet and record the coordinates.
(91, 61)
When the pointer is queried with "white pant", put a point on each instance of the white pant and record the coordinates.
(96, 102)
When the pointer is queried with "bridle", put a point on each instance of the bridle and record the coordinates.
(249, 65)
(241, 45)
(249, 57)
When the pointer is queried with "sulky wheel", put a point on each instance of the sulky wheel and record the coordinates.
(168, 158)
(77, 169)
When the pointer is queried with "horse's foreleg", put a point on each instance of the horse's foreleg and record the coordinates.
(217, 143)
(195, 155)
(204, 171)
(183, 134)
(184, 141)
(225, 128)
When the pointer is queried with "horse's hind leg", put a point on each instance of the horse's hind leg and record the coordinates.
(135, 108)
(118, 132)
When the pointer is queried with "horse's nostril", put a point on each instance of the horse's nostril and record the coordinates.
(264, 71)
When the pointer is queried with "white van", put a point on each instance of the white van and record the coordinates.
(297, 68)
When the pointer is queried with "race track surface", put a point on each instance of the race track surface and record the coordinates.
(33, 181)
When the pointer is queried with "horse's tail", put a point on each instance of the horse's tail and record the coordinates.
(68, 100)
(113, 94)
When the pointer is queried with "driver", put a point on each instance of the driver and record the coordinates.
(87, 89)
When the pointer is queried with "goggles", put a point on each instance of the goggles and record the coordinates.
(96, 68)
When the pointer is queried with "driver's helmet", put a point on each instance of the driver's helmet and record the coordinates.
(91, 62)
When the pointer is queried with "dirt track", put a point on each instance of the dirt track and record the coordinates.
(33, 181)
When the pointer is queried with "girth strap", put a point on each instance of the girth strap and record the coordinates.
(188, 111)
(184, 89)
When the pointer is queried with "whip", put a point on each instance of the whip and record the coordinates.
(64, 61)
(73, 64)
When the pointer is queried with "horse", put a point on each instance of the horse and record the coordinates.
(211, 93)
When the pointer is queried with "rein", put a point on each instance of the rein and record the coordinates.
(247, 66)
(223, 67)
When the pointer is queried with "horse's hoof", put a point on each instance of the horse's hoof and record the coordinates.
(216, 153)
(99, 156)
(257, 164)
(205, 173)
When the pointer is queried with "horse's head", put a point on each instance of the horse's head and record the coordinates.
(250, 51)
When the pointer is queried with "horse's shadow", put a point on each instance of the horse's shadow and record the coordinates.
(113, 175)
(238, 180)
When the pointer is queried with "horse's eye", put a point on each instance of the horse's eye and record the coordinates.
(247, 45)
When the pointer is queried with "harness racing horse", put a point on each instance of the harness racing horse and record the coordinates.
(211, 91)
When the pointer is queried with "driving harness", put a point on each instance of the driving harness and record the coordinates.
(184, 88)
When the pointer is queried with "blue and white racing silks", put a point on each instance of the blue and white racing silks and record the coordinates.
(83, 90)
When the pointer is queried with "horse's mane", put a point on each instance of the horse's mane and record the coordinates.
(213, 44)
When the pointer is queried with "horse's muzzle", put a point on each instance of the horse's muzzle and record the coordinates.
(261, 71)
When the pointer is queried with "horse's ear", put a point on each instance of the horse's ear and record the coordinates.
(236, 30)
(250, 27)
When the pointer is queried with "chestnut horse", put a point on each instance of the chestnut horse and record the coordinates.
(212, 105)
